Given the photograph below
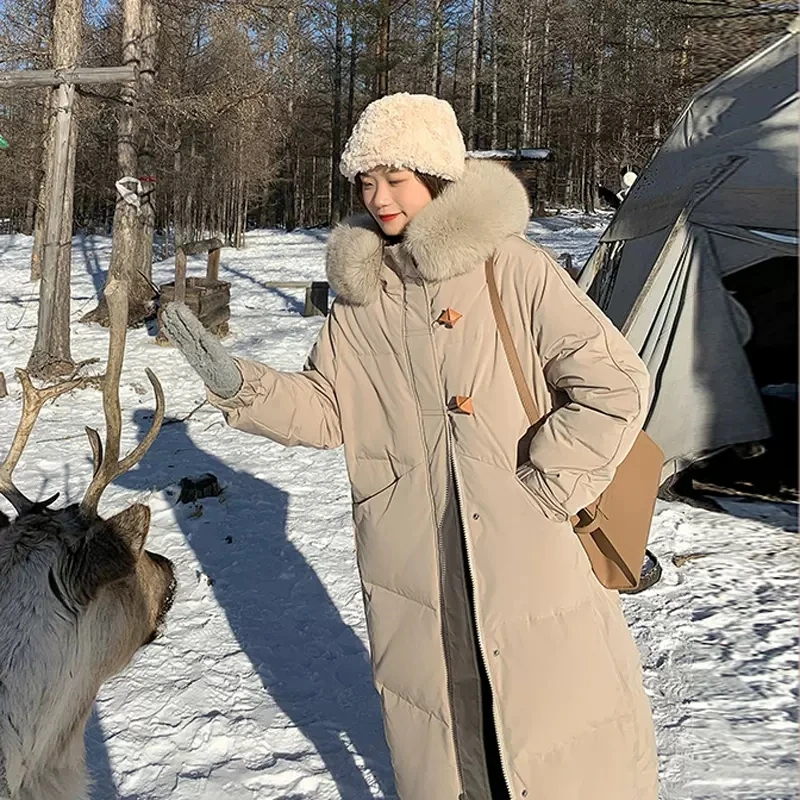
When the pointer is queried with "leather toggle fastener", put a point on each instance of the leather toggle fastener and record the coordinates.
(449, 317)
(462, 404)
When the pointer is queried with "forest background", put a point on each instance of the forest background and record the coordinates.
(243, 106)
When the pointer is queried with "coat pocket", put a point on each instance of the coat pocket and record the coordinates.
(363, 499)
(370, 477)
(534, 487)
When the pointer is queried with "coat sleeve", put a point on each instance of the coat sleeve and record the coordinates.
(577, 448)
(292, 408)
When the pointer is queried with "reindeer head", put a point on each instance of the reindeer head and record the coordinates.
(79, 594)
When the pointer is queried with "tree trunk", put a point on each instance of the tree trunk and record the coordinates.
(456, 59)
(474, 74)
(597, 167)
(51, 355)
(189, 205)
(39, 188)
(496, 12)
(541, 109)
(243, 209)
(336, 122)
(132, 232)
(351, 78)
(48, 132)
(127, 248)
(384, 17)
(140, 293)
(30, 206)
(290, 162)
(351, 93)
(587, 190)
(658, 60)
(126, 241)
(527, 69)
(627, 90)
(685, 50)
(177, 190)
(436, 34)
(541, 130)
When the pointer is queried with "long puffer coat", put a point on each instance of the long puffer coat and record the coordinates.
(490, 635)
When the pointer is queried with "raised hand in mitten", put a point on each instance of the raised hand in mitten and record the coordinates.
(209, 359)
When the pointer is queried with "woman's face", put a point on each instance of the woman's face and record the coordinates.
(393, 197)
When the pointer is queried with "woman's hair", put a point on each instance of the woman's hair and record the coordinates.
(433, 183)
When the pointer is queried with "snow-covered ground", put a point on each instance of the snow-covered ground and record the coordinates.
(261, 687)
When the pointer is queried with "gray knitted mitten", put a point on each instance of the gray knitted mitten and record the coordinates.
(209, 359)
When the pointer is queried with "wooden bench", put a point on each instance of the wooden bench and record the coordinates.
(209, 298)
(316, 302)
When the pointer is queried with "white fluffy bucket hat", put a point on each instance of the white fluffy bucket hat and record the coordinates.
(409, 131)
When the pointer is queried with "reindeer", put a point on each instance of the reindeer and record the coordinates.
(79, 595)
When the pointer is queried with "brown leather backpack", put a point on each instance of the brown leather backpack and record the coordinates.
(614, 528)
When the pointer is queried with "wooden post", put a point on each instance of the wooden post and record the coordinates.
(58, 182)
(180, 275)
(51, 355)
(212, 271)
(316, 300)
(3, 388)
(51, 351)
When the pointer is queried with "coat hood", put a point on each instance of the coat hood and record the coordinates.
(452, 235)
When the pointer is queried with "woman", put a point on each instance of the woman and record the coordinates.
(505, 670)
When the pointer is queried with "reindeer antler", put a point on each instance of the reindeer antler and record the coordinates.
(107, 465)
(32, 401)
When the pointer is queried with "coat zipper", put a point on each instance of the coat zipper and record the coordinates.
(474, 610)
(440, 553)
(451, 462)
(448, 679)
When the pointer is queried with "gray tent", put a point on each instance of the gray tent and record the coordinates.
(716, 204)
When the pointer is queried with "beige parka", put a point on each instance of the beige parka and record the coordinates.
(432, 474)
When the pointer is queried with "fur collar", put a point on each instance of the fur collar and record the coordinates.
(452, 235)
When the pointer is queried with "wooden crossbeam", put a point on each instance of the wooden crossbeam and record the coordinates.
(287, 284)
(54, 77)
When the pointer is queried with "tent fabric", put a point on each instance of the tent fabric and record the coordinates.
(737, 248)
(719, 196)
(703, 389)
(751, 113)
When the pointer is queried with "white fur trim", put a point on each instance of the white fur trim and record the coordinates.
(354, 257)
(452, 235)
(409, 131)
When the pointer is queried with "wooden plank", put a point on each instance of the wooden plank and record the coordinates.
(210, 302)
(196, 286)
(204, 286)
(217, 320)
(168, 296)
(201, 246)
(54, 77)
(287, 284)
